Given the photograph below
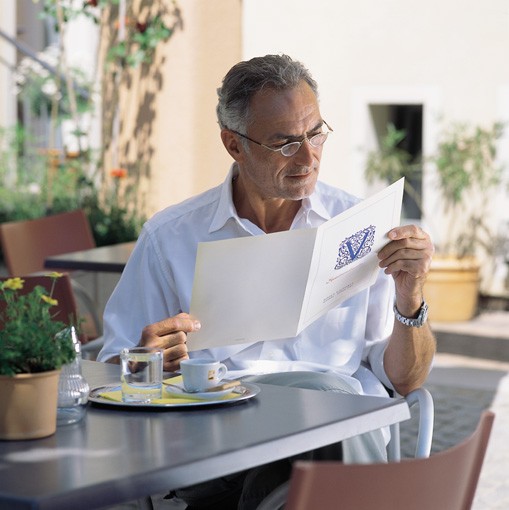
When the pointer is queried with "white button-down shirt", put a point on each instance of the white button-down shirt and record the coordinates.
(157, 283)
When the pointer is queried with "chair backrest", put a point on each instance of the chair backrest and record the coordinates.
(66, 310)
(27, 243)
(445, 480)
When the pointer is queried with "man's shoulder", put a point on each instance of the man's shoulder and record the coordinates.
(202, 205)
(334, 199)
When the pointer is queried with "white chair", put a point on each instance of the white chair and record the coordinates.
(423, 399)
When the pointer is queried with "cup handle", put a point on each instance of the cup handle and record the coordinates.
(221, 371)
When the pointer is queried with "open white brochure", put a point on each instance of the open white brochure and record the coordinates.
(273, 286)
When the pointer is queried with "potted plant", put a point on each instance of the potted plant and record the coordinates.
(467, 175)
(33, 348)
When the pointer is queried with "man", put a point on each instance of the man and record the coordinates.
(272, 127)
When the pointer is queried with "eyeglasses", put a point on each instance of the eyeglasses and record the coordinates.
(289, 149)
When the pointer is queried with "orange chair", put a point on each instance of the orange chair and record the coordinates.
(445, 480)
(27, 243)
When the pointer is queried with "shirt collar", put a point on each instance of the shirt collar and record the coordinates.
(311, 206)
(225, 208)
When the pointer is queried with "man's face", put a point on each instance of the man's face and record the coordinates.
(277, 118)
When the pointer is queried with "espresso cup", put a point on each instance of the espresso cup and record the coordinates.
(201, 374)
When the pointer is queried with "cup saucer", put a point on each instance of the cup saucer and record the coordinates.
(176, 390)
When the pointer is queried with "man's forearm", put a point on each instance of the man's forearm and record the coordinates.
(408, 357)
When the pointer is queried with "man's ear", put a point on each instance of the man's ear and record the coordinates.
(232, 144)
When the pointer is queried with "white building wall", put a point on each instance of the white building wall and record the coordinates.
(453, 52)
(448, 55)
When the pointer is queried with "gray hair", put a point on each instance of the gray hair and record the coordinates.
(246, 78)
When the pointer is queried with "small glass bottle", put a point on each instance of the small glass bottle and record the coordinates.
(73, 389)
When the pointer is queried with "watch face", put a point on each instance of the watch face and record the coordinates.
(423, 315)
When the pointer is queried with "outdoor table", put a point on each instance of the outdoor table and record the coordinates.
(111, 259)
(117, 454)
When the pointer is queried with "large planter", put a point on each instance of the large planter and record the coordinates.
(452, 289)
(28, 405)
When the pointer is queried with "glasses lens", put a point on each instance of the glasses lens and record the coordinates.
(318, 139)
(315, 141)
(290, 148)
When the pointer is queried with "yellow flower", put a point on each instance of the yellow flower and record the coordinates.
(13, 283)
(49, 300)
(55, 274)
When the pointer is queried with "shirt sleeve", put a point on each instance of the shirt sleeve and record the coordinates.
(144, 295)
(379, 326)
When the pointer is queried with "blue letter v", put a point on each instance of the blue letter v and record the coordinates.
(353, 255)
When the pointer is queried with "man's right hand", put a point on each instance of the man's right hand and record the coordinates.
(171, 335)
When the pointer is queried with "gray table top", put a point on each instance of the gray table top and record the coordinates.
(110, 259)
(117, 454)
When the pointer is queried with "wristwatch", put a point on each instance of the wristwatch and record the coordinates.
(413, 323)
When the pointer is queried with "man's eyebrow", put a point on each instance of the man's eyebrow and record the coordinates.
(283, 136)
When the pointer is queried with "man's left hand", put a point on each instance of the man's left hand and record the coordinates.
(407, 257)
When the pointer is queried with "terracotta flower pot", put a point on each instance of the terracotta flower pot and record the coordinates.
(28, 405)
(452, 289)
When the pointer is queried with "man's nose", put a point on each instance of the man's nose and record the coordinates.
(305, 156)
